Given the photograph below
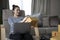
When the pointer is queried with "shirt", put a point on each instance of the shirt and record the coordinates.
(12, 20)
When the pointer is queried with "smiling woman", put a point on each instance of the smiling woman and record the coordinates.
(23, 4)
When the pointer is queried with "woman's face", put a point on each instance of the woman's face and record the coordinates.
(16, 11)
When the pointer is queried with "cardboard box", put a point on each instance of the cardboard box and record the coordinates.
(54, 33)
(58, 28)
(52, 39)
(3, 35)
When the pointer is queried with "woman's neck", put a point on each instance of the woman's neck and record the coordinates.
(16, 16)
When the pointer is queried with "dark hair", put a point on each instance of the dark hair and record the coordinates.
(14, 6)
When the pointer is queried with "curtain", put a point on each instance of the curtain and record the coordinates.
(38, 6)
(5, 4)
(0, 11)
(39, 9)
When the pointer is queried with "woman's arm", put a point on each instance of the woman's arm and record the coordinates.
(11, 25)
(10, 21)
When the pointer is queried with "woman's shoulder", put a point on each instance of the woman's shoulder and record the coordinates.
(11, 17)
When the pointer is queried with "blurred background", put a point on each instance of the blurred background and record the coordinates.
(47, 11)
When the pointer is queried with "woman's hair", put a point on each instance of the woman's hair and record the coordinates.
(14, 6)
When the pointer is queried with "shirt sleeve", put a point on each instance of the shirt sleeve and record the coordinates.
(11, 24)
(10, 21)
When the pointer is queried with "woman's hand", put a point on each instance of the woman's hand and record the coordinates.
(24, 20)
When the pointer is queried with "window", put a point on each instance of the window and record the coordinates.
(23, 4)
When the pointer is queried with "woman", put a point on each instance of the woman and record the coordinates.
(16, 19)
